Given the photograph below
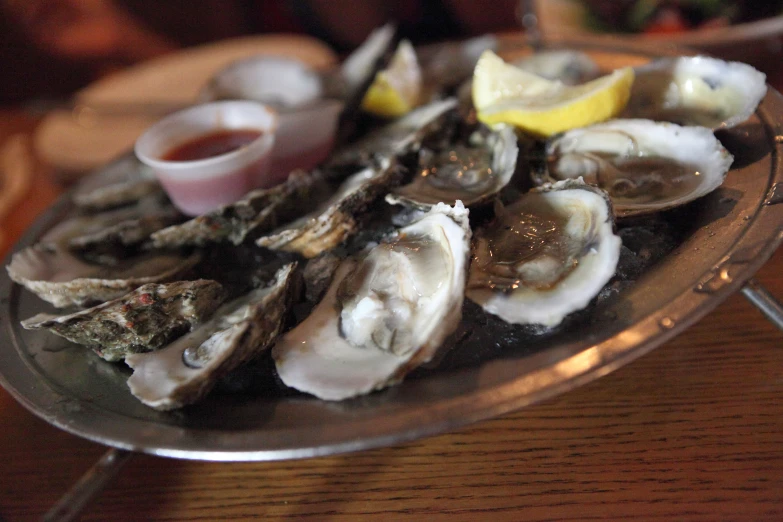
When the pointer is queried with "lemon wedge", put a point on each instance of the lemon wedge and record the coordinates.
(397, 89)
(503, 93)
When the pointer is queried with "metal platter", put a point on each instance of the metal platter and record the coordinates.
(723, 239)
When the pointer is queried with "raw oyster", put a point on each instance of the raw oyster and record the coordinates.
(645, 166)
(113, 243)
(696, 91)
(337, 218)
(186, 370)
(395, 138)
(546, 255)
(53, 271)
(384, 313)
(122, 182)
(569, 67)
(141, 321)
(258, 212)
(471, 173)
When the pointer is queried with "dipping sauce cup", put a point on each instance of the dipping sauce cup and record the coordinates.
(212, 154)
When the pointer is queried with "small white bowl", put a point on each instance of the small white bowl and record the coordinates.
(308, 117)
(199, 186)
(274, 80)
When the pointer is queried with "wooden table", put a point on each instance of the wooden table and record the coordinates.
(692, 431)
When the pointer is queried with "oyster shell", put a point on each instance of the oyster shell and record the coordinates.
(113, 243)
(143, 320)
(567, 66)
(359, 67)
(471, 173)
(384, 313)
(696, 90)
(122, 182)
(186, 370)
(53, 271)
(258, 212)
(645, 166)
(337, 218)
(395, 138)
(546, 255)
(445, 65)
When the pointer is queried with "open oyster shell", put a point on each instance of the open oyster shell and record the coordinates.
(696, 90)
(644, 166)
(337, 218)
(546, 255)
(395, 138)
(143, 320)
(471, 173)
(385, 313)
(186, 370)
(57, 272)
(122, 182)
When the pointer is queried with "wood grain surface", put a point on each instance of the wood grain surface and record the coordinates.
(691, 431)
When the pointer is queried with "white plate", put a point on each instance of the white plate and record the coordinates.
(68, 143)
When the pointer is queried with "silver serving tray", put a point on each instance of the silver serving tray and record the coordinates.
(729, 235)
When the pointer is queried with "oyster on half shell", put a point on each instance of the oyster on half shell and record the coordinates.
(644, 166)
(471, 173)
(122, 182)
(186, 370)
(696, 90)
(546, 255)
(385, 313)
(141, 321)
(57, 270)
(395, 138)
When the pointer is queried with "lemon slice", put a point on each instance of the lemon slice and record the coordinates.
(503, 93)
(397, 89)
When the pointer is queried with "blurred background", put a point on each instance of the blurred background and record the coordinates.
(50, 48)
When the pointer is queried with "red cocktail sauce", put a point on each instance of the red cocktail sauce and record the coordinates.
(213, 144)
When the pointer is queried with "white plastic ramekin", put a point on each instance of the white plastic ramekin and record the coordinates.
(199, 186)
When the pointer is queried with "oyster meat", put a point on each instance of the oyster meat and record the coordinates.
(696, 90)
(144, 320)
(645, 166)
(546, 255)
(472, 173)
(337, 218)
(186, 370)
(385, 313)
